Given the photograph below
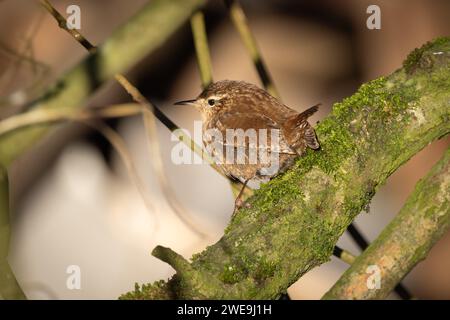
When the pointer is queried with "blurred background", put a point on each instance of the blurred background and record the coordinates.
(72, 197)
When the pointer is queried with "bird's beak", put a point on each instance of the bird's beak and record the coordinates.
(185, 102)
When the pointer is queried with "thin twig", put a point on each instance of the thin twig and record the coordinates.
(344, 255)
(201, 48)
(148, 112)
(240, 22)
(157, 162)
(62, 23)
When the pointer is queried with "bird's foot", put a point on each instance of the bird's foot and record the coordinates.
(238, 204)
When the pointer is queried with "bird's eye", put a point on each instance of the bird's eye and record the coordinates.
(211, 102)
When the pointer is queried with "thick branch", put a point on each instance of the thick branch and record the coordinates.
(295, 220)
(406, 240)
(141, 35)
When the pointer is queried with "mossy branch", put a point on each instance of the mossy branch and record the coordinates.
(405, 241)
(295, 220)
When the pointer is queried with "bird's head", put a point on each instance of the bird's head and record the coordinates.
(217, 96)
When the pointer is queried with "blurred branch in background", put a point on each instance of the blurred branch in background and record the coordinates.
(406, 241)
(201, 48)
(294, 221)
(9, 288)
(91, 117)
(142, 34)
(18, 58)
(43, 116)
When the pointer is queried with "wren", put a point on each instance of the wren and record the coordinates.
(248, 116)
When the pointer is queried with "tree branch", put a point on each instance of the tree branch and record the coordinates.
(295, 220)
(405, 241)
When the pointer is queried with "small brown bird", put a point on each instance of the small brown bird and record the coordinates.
(240, 119)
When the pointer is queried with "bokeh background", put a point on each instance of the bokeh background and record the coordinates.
(73, 200)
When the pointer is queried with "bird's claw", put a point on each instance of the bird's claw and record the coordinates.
(238, 204)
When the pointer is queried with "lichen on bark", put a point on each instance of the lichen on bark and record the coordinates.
(294, 221)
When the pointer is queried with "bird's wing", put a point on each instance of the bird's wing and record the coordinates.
(245, 130)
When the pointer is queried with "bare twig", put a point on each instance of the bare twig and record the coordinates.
(62, 23)
(344, 255)
(157, 162)
(201, 48)
(240, 22)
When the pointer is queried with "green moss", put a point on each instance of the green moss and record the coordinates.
(155, 291)
(367, 94)
(232, 274)
(258, 267)
(264, 270)
(420, 58)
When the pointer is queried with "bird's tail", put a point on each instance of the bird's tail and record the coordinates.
(300, 121)
(309, 112)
